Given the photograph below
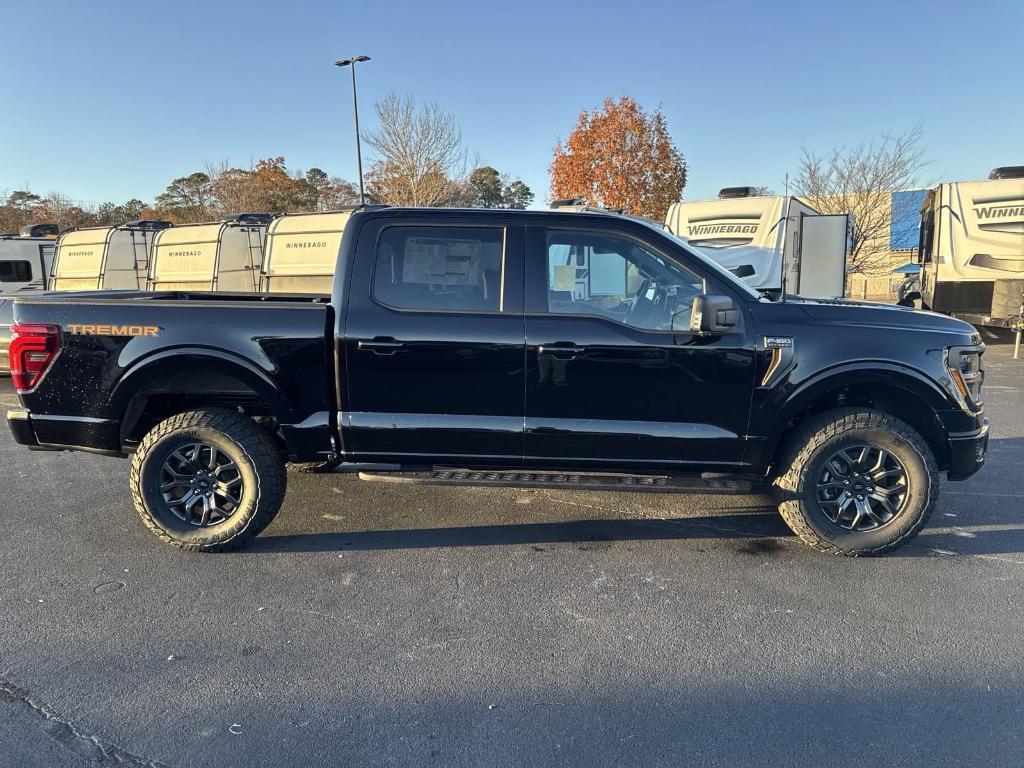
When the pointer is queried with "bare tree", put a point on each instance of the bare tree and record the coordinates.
(420, 159)
(62, 211)
(860, 180)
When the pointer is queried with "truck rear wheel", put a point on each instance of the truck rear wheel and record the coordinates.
(207, 480)
(856, 482)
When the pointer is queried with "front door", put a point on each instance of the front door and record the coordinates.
(614, 377)
(434, 344)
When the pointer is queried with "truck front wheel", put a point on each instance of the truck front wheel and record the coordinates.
(207, 480)
(856, 482)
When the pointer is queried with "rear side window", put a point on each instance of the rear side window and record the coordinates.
(454, 269)
(15, 272)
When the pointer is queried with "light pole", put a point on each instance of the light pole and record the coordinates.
(355, 109)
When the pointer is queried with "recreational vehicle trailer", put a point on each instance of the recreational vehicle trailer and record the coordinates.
(972, 248)
(302, 250)
(774, 243)
(25, 261)
(104, 258)
(221, 255)
(25, 258)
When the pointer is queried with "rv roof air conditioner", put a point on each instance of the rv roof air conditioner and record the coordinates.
(1007, 172)
(249, 218)
(730, 192)
(151, 224)
(39, 230)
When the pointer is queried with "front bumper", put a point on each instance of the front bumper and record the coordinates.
(967, 452)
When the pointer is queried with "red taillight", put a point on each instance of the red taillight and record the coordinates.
(34, 347)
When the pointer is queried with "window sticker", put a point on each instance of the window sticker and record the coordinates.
(441, 261)
(564, 278)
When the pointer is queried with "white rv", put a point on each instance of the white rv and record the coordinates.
(104, 258)
(213, 256)
(774, 243)
(972, 248)
(25, 258)
(302, 252)
(25, 261)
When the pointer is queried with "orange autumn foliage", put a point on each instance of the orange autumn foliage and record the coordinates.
(620, 157)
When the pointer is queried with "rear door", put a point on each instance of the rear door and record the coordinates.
(434, 341)
(614, 378)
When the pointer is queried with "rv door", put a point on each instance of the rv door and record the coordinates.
(822, 256)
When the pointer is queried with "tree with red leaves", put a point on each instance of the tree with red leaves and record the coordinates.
(620, 157)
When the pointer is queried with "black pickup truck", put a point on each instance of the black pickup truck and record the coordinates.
(535, 348)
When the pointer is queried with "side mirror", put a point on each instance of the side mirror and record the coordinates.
(713, 315)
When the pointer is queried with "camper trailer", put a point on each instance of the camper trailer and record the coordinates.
(26, 257)
(972, 248)
(302, 250)
(774, 243)
(104, 258)
(25, 261)
(222, 255)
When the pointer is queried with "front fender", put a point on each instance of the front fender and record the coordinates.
(879, 372)
(776, 411)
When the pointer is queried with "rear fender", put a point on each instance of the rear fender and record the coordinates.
(166, 363)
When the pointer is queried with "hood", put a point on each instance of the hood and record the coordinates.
(887, 316)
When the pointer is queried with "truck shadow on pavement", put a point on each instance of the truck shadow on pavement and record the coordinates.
(759, 525)
(977, 517)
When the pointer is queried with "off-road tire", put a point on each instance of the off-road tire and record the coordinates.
(259, 464)
(803, 456)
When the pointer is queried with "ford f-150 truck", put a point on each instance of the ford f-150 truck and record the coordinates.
(538, 348)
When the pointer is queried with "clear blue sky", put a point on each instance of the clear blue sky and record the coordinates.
(110, 100)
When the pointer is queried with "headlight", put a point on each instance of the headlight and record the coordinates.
(964, 366)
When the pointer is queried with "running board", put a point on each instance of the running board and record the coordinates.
(591, 481)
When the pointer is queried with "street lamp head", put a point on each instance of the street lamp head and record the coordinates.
(353, 60)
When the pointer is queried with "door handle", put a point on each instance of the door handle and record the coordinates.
(381, 345)
(561, 349)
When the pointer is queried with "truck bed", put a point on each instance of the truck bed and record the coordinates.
(7, 304)
(270, 353)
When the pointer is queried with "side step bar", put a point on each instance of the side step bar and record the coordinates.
(594, 481)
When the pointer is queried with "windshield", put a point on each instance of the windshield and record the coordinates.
(695, 252)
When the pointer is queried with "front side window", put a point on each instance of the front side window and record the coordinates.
(455, 269)
(15, 272)
(618, 279)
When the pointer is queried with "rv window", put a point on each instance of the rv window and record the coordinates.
(927, 236)
(618, 279)
(455, 269)
(15, 272)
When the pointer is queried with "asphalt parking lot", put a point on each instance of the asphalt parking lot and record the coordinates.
(379, 624)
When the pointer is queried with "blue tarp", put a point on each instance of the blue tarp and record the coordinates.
(906, 218)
